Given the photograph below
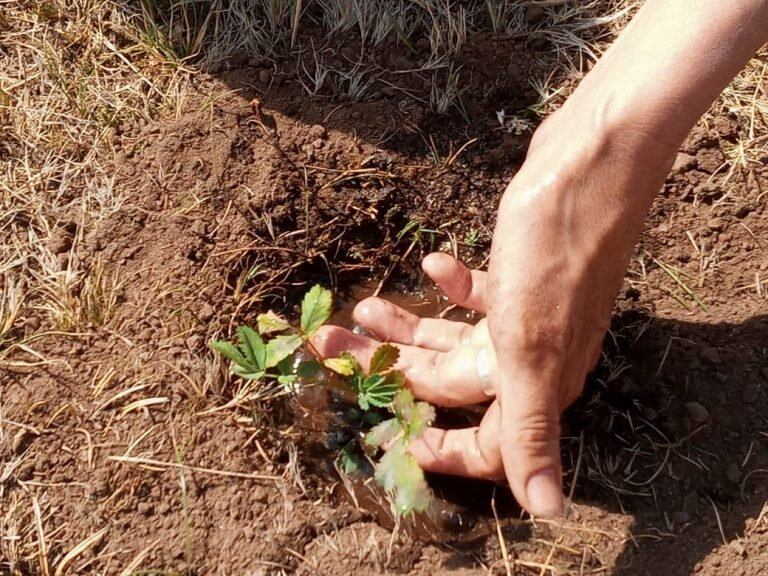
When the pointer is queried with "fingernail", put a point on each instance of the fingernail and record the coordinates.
(545, 499)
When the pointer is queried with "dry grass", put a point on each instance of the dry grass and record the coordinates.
(73, 73)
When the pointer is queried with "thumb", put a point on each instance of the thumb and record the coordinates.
(530, 434)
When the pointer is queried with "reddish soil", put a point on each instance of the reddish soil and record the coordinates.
(239, 204)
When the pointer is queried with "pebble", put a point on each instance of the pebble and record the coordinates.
(683, 163)
(206, 312)
(715, 224)
(264, 77)
(144, 508)
(696, 412)
(21, 440)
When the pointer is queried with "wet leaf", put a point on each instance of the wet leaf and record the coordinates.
(341, 365)
(315, 309)
(377, 390)
(280, 347)
(383, 433)
(399, 473)
(383, 358)
(415, 416)
(269, 323)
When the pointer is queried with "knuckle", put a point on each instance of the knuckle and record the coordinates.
(536, 434)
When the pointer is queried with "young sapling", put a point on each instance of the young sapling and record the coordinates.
(271, 355)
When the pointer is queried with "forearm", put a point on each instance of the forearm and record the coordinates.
(668, 65)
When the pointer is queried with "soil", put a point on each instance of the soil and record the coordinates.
(253, 193)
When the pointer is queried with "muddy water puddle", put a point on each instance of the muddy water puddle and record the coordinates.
(461, 509)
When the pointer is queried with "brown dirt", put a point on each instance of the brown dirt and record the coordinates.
(238, 205)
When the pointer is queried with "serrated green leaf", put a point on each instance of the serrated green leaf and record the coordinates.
(341, 365)
(269, 323)
(384, 358)
(228, 350)
(379, 389)
(415, 416)
(280, 347)
(315, 309)
(383, 433)
(248, 373)
(399, 473)
(252, 346)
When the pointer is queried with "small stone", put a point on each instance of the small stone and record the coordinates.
(194, 342)
(206, 312)
(265, 77)
(649, 413)
(733, 472)
(317, 131)
(21, 440)
(696, 412)
(715, 224)
(260, 494)
(144, 508)
(683, 163)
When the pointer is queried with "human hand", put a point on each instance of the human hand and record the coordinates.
(440, 361)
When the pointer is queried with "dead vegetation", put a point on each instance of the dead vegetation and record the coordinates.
(72, 75)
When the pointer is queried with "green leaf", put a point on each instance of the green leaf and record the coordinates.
(341, 365)
(285, 366)
(315, 309)
(383, 358)
(287, 380)
(253, 346)
(280, 347)
(228, 350)
(415, 416)
(378, 389)
(247, 372)
(270, 323)
(399, 473)
(308, 368)
(384, 433)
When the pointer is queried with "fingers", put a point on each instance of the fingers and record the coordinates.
(471, 452)
(389, 322)
(463, 286)
(443, 378)
(530, 440)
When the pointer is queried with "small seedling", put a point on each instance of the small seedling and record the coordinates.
(380, 388)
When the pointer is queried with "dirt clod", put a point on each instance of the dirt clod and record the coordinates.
(696, 412)
(683, 163)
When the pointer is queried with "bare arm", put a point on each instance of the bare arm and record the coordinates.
(569, 220)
